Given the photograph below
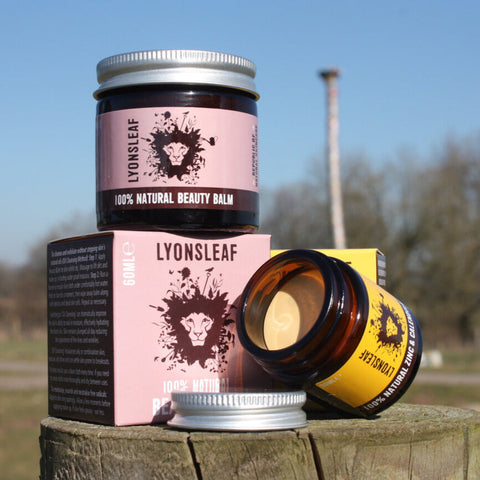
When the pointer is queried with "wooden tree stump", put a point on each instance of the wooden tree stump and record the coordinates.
(405, 442)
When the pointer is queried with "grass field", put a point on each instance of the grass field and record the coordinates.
(24, 350)
(21, 410)
(20, 415)
(452, 395)
(467, 396)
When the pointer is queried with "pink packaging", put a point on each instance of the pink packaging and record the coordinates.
(133, 316)
(222, 152)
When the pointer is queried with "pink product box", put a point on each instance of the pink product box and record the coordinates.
(133, 316)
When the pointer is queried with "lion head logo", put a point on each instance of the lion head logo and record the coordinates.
(196, 323)
(389, 327)
(174, 148)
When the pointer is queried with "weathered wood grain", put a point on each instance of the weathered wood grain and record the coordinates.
(408, 442)
(405, 442)
(80, 451)
(279, 455)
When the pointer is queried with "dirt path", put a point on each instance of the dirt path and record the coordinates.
(15, 375)
(442, 378)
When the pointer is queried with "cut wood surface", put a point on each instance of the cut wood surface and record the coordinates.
(405, 442)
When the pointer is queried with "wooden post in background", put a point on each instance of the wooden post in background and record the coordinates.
(333, 153)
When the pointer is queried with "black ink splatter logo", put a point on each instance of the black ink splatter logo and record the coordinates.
(389, 328)
(195, 322)
(175, 147)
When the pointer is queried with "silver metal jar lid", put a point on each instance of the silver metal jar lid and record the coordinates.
(196, 67)
(239, 411)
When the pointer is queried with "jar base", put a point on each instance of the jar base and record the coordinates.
(173, 220)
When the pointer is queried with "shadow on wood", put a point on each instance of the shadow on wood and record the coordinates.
(404, 442)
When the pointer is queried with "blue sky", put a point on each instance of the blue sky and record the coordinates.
(410, 77)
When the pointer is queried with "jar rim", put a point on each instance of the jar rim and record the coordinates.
(196, 67)
(317, 260)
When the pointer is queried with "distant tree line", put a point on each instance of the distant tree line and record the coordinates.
(23, 289)
(423, 214)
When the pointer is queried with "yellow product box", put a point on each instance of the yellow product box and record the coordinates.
(370, 262)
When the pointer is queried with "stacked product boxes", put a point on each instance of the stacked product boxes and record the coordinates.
(147, 305)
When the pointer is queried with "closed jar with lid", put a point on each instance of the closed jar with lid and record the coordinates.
(313, 322)
(176, 142)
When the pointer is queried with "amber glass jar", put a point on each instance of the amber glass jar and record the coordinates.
(313, 322)
(176, 142)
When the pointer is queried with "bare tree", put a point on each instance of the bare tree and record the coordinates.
(298, 217)
(424, 215)
(448, 259)
(23, 304)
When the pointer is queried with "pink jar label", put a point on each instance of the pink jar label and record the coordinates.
(177, 157)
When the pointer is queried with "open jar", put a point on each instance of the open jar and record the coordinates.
(314, 323)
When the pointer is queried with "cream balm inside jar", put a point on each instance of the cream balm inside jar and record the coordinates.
(176, 142)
